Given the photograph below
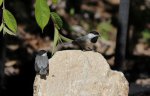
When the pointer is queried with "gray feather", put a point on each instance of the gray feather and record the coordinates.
(41, 62)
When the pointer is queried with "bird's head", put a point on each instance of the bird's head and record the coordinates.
(42, 53)
(93, 35)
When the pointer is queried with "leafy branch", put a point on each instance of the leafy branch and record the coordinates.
(43, 14)
(9, 24)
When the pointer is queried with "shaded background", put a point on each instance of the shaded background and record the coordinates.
(79, 17)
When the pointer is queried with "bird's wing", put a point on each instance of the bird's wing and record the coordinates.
(80, 40)
(36, 64)
(44, 61)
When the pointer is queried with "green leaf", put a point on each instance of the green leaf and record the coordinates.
(146, 34)
(54, 1)
(57, 20)
(72, 11)
(8, 31)
(42, 13)
(56, 38)
(1, 1)
(10, 20)
(105, 28)
(1, 27)
(65, 39)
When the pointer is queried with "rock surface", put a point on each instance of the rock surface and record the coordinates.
(78, 73)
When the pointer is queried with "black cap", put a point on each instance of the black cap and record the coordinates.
(95, 32)
(41, 52)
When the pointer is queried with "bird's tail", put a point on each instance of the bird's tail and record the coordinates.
(43, 71)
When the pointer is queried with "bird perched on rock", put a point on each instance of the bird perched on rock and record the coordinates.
(41, 63)
(85, 42)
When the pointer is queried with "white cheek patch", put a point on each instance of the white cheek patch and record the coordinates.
(45, 54)
(91, 35)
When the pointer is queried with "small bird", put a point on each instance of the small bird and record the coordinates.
(41, 63)
(85, 43)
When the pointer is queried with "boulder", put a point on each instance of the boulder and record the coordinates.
(79, 73)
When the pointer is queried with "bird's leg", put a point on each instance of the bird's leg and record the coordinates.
(94, 49)
(43, 77)
(89, 49)
(83, 50)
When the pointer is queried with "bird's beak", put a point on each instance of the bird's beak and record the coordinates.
(99, 35)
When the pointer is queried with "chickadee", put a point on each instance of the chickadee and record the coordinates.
(41, 63)
(85, 42)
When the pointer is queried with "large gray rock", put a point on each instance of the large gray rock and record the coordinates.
(78, 73)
